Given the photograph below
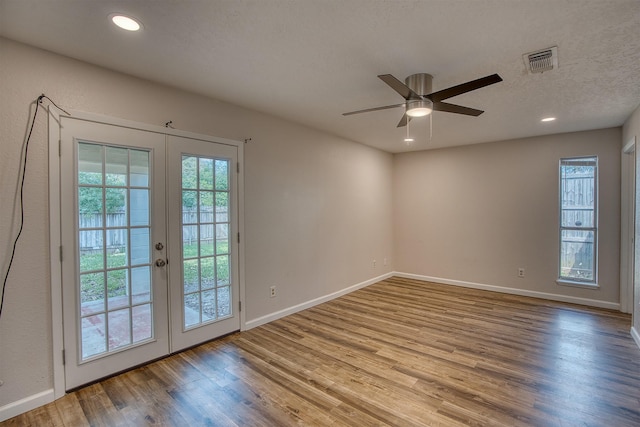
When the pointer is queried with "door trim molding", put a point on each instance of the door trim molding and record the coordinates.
(636, 336)
(55, 243)
(55, 238)
(627, 225)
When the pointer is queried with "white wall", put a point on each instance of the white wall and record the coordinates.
(474, 215)
(317, 207)
(631, 129)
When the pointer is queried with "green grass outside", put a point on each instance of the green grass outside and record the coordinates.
(92, 284)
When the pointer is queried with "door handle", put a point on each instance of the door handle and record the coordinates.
(160, 262)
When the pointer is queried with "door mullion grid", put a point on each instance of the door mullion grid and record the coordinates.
(104, 249)
(129, 246)
(215, 239)
(198, 234)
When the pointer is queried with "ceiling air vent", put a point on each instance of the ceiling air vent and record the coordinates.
(541, 60)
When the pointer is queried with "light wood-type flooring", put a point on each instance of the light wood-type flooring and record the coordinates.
(400, 352)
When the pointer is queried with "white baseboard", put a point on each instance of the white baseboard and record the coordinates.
(636, 336)
(28, 403)
(514, 291)
(308, 304)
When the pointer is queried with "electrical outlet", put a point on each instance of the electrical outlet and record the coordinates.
(374, 263)
(385, 261)
(272, 292)
(521, 272)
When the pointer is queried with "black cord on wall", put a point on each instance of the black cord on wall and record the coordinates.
(24, 172)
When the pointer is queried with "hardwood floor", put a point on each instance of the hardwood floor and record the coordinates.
(401, 353)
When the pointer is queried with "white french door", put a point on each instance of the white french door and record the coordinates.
(149, 264)
(203, 234)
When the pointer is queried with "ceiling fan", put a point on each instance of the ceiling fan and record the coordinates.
(420, 101)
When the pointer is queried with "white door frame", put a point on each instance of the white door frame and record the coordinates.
(55, 238)
(627, 226)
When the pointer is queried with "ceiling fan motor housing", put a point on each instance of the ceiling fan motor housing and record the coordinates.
(419, 83)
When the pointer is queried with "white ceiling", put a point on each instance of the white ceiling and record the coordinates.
(311, 60)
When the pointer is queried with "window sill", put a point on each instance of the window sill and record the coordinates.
(578, 284)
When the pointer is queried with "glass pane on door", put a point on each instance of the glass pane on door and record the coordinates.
(206, 290)
(114, 249)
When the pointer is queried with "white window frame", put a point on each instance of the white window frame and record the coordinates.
(572, 281)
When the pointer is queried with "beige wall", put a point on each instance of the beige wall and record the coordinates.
(630, 130)
(476, 214)
(317, 207)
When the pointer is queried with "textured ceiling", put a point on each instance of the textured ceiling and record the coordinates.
(311, 60)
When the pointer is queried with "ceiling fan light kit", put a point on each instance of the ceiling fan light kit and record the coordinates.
(419, 108)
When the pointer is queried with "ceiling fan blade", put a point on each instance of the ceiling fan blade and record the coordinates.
(373, 109)
(399, 87)
(459, 109)
(464, 88)
(403, 121)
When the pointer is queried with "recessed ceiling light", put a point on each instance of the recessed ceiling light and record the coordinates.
(125, 22)
(548, 119)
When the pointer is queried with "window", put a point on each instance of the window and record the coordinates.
(578, 220)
